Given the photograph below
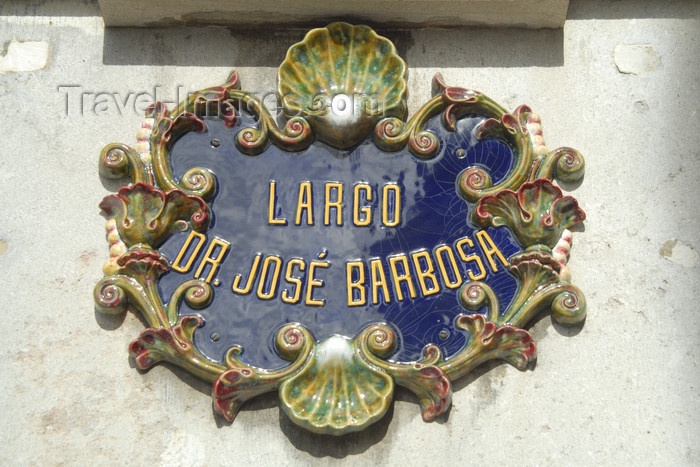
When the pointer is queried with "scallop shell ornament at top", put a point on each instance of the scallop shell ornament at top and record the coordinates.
(343, 79)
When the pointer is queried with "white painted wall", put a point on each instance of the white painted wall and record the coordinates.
(619, 83)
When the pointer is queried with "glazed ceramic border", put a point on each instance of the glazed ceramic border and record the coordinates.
(142, 215)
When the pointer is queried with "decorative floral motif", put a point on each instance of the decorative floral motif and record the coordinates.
(145, 214)
(155, 345)
(537, 213)
(341, 384)
(536, 271)
(145, 262)
(342, 78)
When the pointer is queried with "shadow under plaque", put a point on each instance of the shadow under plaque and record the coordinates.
(262, 47)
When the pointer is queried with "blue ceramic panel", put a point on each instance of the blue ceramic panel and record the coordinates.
(432, 218)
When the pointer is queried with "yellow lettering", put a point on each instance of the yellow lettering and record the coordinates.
(472, 257)
(439, 251)
(378, 279)
(484, 238)
(251, 277)
(357, 285)
(396, 205)
(427, 274)
(356, 209)
(404, 277)
(202, 239)
(313, 282)
(305, 203)
(293, 280)
(337, 204)
(213, 261)
(275, 277)
(271, 219)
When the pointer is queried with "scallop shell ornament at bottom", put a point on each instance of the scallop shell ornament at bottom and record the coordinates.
(337, 391)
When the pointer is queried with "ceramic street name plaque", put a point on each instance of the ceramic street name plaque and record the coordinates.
(347, 249)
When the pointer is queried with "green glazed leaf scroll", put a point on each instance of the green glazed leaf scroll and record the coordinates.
(342, 383)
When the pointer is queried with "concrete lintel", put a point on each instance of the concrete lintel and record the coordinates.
(533, 14)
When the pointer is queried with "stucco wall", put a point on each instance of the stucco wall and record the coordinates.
(619, 83)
